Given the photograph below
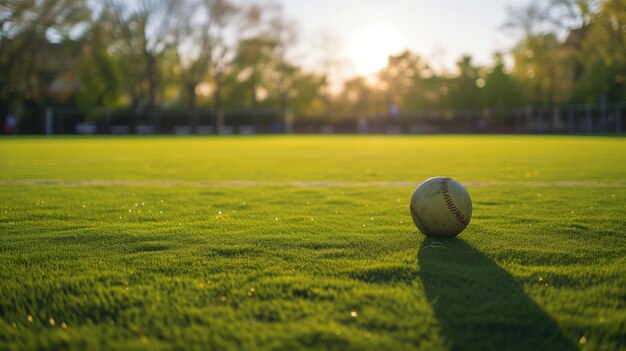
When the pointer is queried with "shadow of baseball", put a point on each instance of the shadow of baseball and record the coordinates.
(479, 305)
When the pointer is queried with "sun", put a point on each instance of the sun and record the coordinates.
(370, 48)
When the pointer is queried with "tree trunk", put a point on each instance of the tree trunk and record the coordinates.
(134, 116)
(193, 113)
(217, 102)
(284, 108)
(152, 91)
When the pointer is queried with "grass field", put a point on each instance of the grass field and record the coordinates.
(307, 242)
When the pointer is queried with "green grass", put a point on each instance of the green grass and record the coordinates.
(134, 243)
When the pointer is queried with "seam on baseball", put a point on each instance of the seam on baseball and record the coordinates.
(445, 192)
(420, 220)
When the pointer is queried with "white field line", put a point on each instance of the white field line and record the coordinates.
(297, 184)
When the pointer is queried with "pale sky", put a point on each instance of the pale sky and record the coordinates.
(440, 30)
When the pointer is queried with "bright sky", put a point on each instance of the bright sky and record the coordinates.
(370, 30)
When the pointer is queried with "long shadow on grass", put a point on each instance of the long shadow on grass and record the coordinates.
(479, 305)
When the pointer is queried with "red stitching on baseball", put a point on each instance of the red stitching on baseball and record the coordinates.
(450, 203)
(420, 220)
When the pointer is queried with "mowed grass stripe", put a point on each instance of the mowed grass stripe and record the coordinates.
(296, 184)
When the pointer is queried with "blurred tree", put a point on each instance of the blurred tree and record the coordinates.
(603, 55)
(145, 33)
(536, 61)
(530, 20)
(500, 89)
(464, 91)
(262, 71)
(282, 74)
(359, 99)
(304, 95)
(536, 57)
(251, 61)
(575, 17)
(250, 67)
(408, 82)
(25, 28)
(203, 49)
(572, 14)
(101, 82)
(547, 66)
(331, 65)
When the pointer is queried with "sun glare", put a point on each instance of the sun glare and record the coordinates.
(370, 48)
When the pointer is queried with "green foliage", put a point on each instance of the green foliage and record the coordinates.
(158, 53)
(25, 29)
(167, 258)
(604, 56)
(535, 67)
(100, 82)
(463, 91)
(500, 89)
(251, 65)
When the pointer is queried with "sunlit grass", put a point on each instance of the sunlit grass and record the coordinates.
(161, 265)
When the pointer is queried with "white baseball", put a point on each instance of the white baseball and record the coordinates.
(441, 207)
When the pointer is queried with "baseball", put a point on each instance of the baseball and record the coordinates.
(441, 207)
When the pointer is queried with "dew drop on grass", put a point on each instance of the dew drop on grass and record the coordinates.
(354, 314)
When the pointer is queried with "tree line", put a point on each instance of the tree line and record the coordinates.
(219, 54)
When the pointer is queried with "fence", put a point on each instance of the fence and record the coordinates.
(572, 119)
